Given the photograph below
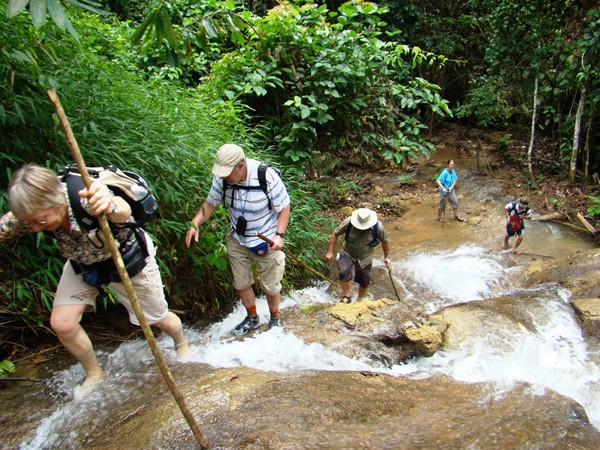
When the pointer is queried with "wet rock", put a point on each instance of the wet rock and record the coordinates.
(242, 408)
(474, 220)
(578, 272)
(427, 339)
(370, 330)
(588, 310)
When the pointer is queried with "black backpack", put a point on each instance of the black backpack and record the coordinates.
(130, 186)
(262, 181)
(374, 231)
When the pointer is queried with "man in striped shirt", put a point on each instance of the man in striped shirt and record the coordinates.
(251, 210)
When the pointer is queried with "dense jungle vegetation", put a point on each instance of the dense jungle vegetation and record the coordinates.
(313, 87)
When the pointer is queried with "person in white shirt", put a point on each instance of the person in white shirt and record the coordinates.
(251, 210)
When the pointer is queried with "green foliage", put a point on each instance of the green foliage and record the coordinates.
(189, 34)
(485, 103)
(404, 180)
(326, 84)
(6, 367)
(145, 124)
(39, 10)
(594, 209)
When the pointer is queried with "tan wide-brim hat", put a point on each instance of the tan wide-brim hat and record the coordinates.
(363, 218)
(228, 156)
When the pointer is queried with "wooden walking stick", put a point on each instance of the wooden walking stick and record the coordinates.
(394, 285)
(287, 252)
(116, 255)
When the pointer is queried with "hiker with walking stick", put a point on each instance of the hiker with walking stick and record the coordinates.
(258, 203)
(447, 184)
(39, 201)
(363, 232)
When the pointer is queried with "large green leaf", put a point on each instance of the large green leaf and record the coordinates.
(37, 8)
(57, 13)
(14, 7)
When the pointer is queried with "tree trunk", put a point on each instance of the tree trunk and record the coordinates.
(532, 139)
(576, 133)
(586, 169)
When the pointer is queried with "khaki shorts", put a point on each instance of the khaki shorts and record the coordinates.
(72, 290)
(271, 267)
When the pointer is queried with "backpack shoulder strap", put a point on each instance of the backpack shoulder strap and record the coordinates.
(374, 230)
(348, 229)
(262, 180)
(74, 185)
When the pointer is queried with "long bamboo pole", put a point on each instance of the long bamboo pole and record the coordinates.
(287, 252)
(116, 255)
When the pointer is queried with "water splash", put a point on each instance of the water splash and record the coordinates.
(553, 356)
(444, 278)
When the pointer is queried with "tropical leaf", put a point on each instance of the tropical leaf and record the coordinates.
(37, 9)
(14, 7)
(57, 13)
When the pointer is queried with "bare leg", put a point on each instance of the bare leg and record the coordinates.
(519, 240)
(273, 301)
(345, 284)
(505, 242)
(362, 292)
(172, 326)
(64, 320)
(247, 296)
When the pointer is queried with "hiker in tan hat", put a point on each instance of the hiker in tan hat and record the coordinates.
(363, 232)
(257, 201)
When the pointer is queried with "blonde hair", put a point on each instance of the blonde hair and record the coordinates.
(34, 187)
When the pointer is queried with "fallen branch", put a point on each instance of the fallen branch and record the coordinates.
(551, 216)
(586, 224)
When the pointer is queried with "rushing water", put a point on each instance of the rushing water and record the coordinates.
(549, 352)
(435, 266)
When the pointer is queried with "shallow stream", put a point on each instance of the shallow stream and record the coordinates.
(536, 340)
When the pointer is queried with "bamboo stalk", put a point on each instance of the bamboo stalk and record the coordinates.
(287, 252)
(116, 255)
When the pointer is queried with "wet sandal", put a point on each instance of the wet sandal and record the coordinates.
(346, 299)
(516, 252)
(460, 219)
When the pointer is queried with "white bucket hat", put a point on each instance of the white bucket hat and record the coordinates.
(228, 156)
(363, 218)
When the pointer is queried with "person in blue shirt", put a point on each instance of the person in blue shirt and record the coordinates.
(447, 183)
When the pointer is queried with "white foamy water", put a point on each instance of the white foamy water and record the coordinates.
(554, 357)
(551, 354)
(444, 278)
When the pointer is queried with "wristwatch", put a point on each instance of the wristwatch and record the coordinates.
(281, 235)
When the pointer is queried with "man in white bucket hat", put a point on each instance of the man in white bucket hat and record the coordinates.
(363, 233)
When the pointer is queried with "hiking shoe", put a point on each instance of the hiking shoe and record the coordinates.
(249, 323)
(275, 323)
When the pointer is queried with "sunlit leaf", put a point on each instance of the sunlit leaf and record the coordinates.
(37, 8)
(57, 13)
(14, 7)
